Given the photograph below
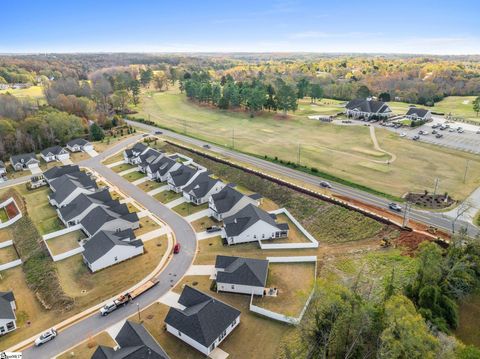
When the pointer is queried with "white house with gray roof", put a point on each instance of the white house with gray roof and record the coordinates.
(132, 155)
(241, 275)
(3, 169)
(107, 248)
(367, 108)
(204, 322)
(23, 162)
(182, 177)
(252, 224)
(67, 187)
(55, 153)
(202, 188)
(79, 145)
(161, 168)
(113, 219)
(147, 157)
(415, 113)
(8, 319)
(58, 171)
(229, 201)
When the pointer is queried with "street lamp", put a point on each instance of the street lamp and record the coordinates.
(138, 311)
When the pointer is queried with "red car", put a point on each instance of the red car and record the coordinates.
(176, 248)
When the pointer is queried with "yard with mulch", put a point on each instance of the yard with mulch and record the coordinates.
(200, 225)
(147, 186)
(133, 176)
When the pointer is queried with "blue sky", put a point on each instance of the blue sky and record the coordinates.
(421, 26)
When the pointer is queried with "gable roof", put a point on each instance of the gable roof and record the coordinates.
(201, 185)
(226, 199)
(239, 270)
(2, 165)
(58, 171)
(64, 185)
(23, 158)
(102, 242)
(6, 311)
(98, 216)
(54, 150)
(84, 200)
(245, 218)
(203, 319)
(149, 156)
(162, 165)
(420, 112)
(77, 142)
(366, 105)
(135, 343)
(181, 176)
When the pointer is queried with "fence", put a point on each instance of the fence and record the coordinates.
(6, 244)
(313, 242)
(13, 219)
(10, 264)
(61, 232)
(282, 317)
(65, 255)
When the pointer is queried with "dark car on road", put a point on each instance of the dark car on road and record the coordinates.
(325, 184)
(438, 135)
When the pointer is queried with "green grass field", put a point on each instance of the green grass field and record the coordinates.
(343, 151)
(35, 92)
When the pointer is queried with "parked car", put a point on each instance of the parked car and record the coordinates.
(176, 248)
(460, 130)
(213, 229)
(422, 132)
(395, 207)
(46, 337)
(436, 125)
(158, 132)
(451, 130)
(398, 125)
(206, 146)
(438, 135)
(434, 132)
(325, 184)
(108, 308)
(403, 134)
(145, 135)
(478, 132)
(416, 138)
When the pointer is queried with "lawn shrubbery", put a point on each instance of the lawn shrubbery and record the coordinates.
(40, 271)
(325, 221)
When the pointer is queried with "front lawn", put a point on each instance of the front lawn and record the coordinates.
(201, 225)
(147, 186)
(8, 254)
(86, 349)
(167, 196)
(114, 159)
(133, 176)
(5, 235)
(294, 282)
(122, 167)
(65, 243)
(294, 233)
(146, 225)
(186, 209)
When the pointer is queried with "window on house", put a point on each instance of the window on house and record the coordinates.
(116, 259)
(179, 333)
(233, 287)
(263, 235)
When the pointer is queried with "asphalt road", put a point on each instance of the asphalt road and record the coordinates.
(423, 216)
(174, 271)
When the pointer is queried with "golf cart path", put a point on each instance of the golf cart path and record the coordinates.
(393, 156)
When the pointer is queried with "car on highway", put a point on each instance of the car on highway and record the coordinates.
(176, 248)
(395, 207)
(46, 337)
(206, 146)
(438, 135)
(325, 184)
(416, 137)
(158, 132)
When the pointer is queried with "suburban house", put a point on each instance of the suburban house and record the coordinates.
(114, 219)
(107, 248)
(55, 153)
(241, 275)
(251, 224)
(204, 322)
(201, 188)
(79, 145)
(132, 155)
(182, 177)
(76, 210)
(58, 171)
(148, 157)
(160, 169)
(134, 342)
(367, 108)
(8, 319)
(415, 113)
(3, 169)
(67, 187)
(24, 162)
(228, 202)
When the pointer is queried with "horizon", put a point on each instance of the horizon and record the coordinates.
(281, 26)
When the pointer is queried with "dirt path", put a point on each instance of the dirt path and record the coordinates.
(393, 157)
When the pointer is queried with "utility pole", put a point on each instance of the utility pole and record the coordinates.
(138, 311)
(466, 170)
(298, 154)
(406, 214)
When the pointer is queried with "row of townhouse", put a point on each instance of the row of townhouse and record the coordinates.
(107, 223)
(243, 220)
(27, 161)
(203, 321)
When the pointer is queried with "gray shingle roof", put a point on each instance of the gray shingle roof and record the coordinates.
(77, 141)
(2, 165)
(58, 171)
(420, 112)
(245, 218)
(83, 201)
(54, 150)
(64, 185)
(226, 199)
(6, 311)
(102, 242)
(201, 185)
(203, 319)
(244, 271)
(181, 176)
(24, 158)
(370, 106)
(95, 219)
(135, 343)
(163, 165)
